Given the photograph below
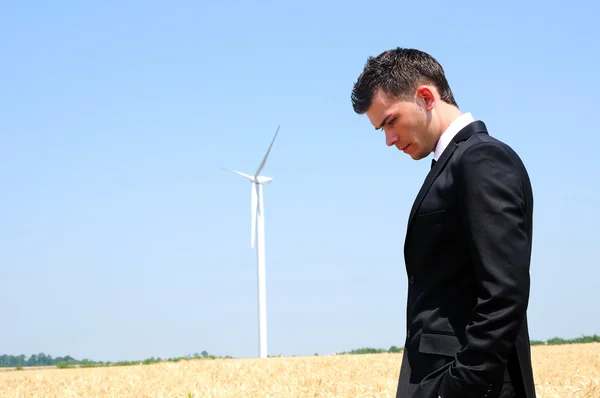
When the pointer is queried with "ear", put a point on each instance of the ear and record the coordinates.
(426, 94)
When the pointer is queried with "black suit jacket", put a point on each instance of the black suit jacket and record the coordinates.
(467, 254)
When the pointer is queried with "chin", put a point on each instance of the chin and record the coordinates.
(418, 156)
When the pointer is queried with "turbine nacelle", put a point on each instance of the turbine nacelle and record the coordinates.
(264, 180)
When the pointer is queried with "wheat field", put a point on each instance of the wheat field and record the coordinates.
(560, 371)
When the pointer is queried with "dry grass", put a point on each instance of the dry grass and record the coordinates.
(567, 370)
(560, 371)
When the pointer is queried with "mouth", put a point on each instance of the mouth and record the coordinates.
(404, 149)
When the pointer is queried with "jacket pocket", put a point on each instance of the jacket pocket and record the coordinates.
(432, 214)
(439, 344)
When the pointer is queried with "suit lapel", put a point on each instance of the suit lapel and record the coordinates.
(464, 134)
(433, 174)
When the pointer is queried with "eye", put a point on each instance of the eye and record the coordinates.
(391, 122)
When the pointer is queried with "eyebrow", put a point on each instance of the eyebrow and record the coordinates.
(383, 122)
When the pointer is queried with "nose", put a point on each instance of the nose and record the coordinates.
(390, 139)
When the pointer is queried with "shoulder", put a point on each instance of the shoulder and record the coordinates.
(482, 150)
(484, 161)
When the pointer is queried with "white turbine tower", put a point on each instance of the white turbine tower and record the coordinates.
(258, 234)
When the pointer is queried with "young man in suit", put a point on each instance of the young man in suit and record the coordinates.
(468, 240)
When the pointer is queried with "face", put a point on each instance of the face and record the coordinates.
(409, 125)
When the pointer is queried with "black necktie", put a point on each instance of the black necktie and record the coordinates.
(432, 163)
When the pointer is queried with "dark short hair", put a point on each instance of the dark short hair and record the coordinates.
(398, 72)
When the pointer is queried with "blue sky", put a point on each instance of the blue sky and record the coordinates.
(122, 238)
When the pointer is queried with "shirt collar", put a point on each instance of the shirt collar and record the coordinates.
(457, 125)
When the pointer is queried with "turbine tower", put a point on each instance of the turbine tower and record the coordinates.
(258, 235)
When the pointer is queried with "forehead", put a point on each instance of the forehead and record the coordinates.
(382, 107)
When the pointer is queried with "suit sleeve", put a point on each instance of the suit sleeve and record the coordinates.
(493, 204)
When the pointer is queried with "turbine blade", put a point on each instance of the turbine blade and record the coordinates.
(240, 173)
(262, 164)
(254, 212)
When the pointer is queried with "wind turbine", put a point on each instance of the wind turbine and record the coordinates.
(258, 235)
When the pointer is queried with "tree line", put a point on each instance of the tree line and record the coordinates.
(41, 359)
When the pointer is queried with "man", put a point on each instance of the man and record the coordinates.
(468, 240)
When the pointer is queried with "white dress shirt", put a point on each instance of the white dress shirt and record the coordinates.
(457, 125)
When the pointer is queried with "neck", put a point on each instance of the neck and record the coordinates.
(447, 114)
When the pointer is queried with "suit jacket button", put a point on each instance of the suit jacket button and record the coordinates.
(411, 280)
